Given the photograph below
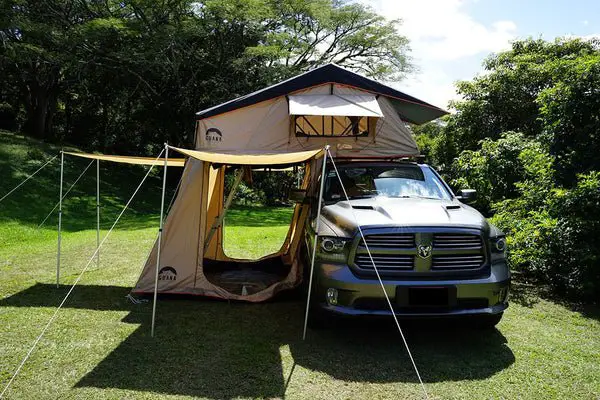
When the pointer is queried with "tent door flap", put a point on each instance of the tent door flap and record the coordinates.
(219, 219)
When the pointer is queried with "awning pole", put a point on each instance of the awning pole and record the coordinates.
(317, 226)
(62, 163)
(160, 229)
(97, 212)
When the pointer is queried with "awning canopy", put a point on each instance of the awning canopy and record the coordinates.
(335, 105)
(255, 158)
(171, 162)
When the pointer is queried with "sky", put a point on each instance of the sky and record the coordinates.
(449, 39)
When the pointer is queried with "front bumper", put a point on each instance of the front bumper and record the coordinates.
(360, 296)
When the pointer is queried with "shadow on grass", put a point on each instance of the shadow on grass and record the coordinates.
(21, 156)
(526, 295)
(220, 350)
(91, 297)
(529, 294)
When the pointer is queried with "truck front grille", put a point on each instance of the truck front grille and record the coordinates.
(385, 262)
(456, 241)
(454, 262)
(452, 252)
(402, 240)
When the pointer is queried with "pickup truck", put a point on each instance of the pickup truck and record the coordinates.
(436, 256)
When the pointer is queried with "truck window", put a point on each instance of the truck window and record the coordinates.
(384, 180)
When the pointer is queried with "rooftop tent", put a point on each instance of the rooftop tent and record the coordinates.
(358, 117)
(335, 105)
(285, 124)
(409, 108)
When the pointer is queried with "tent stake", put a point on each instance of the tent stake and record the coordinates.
(160, 229)
(97, 213)
(62, 163)
(317, 226)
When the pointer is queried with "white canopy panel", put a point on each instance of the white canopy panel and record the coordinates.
(335, 105)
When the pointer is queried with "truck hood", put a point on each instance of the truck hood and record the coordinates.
(342, 218)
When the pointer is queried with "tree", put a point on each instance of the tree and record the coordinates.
(303, 34)
(542, 184)
(506, 98)
(128, 75)
(570, 116)
(496, 169)
(34, 40)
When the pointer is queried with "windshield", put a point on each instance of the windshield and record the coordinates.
(400, 180)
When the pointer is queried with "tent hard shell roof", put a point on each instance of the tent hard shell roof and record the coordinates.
(335, 105)
(255, 158)
(172, 162)
(409, 108)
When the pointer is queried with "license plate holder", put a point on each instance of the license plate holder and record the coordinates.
(426, 296)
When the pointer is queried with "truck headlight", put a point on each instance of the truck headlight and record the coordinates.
(498, 244)
(332, 249)
(331, 244)
(498, 247)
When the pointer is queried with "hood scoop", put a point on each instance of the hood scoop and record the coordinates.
(361, 207)
(453, 207)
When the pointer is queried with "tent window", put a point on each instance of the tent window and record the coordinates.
(331, 126)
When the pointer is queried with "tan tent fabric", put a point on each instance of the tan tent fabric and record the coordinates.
(257, 158)
(267, 126)
(171, 162)
(335, 105)
(182, 264)
(263, 134)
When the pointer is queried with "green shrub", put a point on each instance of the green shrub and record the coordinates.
(496, 168)
(553, 235)
(574, 257)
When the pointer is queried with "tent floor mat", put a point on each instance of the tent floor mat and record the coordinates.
(245, 278)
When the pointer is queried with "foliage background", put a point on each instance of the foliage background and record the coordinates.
(126, 76)
(526, 136)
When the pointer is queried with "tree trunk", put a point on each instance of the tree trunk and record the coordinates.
(36, 124)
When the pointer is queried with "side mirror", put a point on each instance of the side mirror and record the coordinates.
(467, 195)
(297, 195)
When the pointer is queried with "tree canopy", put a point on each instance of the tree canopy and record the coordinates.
(526, 137)
(126, 76)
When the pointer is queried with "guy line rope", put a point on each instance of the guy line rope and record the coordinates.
(65, 195)
(77, 281)
(379, 279)
(28, 178)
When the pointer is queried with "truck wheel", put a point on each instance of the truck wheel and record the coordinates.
(488, 321)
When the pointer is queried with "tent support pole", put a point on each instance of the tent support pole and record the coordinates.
(62, 163)
(314, 250)
(97, 213)
(160, 229)
(220, 218)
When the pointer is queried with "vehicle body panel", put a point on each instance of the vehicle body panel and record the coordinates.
(459, 260)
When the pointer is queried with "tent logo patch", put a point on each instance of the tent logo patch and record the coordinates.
(213, 135)
(167, 274)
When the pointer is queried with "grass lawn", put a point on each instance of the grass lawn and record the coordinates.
(99, 346)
